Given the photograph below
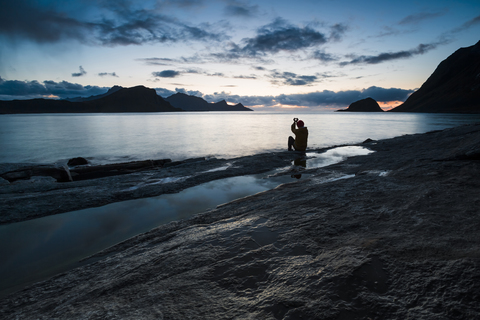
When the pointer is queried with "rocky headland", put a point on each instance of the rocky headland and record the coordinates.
(454, 86)
(390, 235)
(364, 105)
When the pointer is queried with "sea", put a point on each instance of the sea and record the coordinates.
(111, 138)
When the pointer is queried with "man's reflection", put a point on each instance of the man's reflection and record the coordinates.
(299, 165)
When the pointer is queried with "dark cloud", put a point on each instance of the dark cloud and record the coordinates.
(419, 17)
(292, 79)
(79, 74)
(14, 89)
(337, 31)
(181, 3)
(324, 57)
(166, 74)
(158, 61)
(389, 56)
(319, 99)
(252, 77)
(26, 19)
(111, 74)
(125, 25)
(467, 25)
(239, 9)
(343, 98)
(280, 36)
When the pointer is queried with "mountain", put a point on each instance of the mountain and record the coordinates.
(192, 103)
(454, 87)
(364, 105)
(135, 99)
(82, 99)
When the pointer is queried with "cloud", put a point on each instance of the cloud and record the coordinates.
(389, 56)
(419, 17)
(111, 74)
(467, 25)
(166, 74)
(14, 89)
(280, 36)
(79, 74)
(121, 23)
(324, 57)
(291, 79)
(343, 98)
(318, 99)
(239, 9)
(337, 31)
(252, 77)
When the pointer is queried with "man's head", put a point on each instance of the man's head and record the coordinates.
(300, 123)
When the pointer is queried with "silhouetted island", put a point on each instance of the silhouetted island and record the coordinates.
(193, 103)
(116, 100)
(364, 105)
(454, 87)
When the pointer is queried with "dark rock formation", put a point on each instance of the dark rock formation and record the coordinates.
(63, 174)
(454, 87)
(77, 162)
(60, 173)
(192, 103)
(115, 169)
(364, 105)
(136, 99)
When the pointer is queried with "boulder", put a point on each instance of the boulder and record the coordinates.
(77, 162)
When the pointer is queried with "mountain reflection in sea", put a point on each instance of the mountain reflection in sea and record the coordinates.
(108, 138)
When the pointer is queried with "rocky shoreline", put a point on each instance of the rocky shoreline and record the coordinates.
(391, 235)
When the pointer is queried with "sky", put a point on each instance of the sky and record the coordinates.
(267, 55)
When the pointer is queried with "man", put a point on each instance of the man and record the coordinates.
(301, 136)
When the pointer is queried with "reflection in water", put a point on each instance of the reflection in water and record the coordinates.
(299, 164)
(37, 249)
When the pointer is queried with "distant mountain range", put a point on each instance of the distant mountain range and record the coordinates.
(192, 103)
(454, 87)
(118, 99)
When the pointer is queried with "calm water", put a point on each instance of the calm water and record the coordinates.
(106, 138)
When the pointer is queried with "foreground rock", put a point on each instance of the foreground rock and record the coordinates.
(392, 235)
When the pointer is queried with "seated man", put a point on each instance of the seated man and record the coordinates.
(301, 136)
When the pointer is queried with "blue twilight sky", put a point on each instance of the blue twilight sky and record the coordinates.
(318, 54)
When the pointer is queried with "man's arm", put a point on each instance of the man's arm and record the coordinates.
(293, 127)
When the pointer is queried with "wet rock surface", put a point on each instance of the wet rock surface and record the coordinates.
(391, 235)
